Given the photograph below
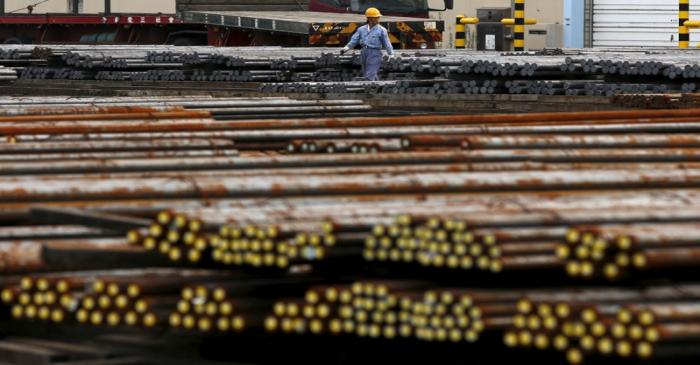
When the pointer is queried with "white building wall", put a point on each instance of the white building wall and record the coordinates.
(546, 12)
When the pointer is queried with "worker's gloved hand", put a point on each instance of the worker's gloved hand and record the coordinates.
(345, 49)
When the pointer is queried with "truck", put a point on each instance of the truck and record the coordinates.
(230, 23)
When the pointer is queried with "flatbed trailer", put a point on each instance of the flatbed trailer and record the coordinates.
(289, 23)
(304, 28)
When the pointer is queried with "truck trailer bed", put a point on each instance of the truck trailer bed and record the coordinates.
(308, 22)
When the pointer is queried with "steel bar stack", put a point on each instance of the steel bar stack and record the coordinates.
(655, 322)
(598, 72)
(7, 75)
(208, 219)
(389, 310)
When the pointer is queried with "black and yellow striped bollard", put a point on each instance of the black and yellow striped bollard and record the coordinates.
(519, 22)
(519, 30)
(683, 17)
(684, 24)
(460, 33)
(461, 30)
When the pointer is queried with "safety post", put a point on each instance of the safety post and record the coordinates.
(461, 30)
(519, 23)
(460, 33)
(683, 18)
(684, 24)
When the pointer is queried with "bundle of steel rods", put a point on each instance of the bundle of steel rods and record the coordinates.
(219, 108)
(614, 249)
(268, 246)
(651, 323)
(424, 228)
(600, 72)
(454, 244)
(225, 306)
(385, 309)
(173, 235)
(138, 298)
(7, 74)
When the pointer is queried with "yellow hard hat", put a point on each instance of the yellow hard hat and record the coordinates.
(373, 13)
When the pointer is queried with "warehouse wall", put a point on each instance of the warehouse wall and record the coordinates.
(95, 6)
(547, 12)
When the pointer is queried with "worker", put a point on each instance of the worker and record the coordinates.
(371, 37)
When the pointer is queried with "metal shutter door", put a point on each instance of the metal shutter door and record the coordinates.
(639, 23)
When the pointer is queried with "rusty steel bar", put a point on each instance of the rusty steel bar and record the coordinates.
(619, 295)
(480, 160)
(127, 145)
(104, 158)
(99, 117)
(671, 312)
(475, 216)
(649, 234)
(686, 331)
(526, 234)
(357, 184)
(27, 256)
(601, 200)
(421, 135)
(14, 233)
(664, 125)
(667, 257)
(530, 262)
(59, 101)
(529, 248)
(223, 170)
(542, 118)
(262, 109)
(90, 110)
(136, 137)
(581, 141)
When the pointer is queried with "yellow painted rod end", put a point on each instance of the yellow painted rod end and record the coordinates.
(511, 21)
(469, 21)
